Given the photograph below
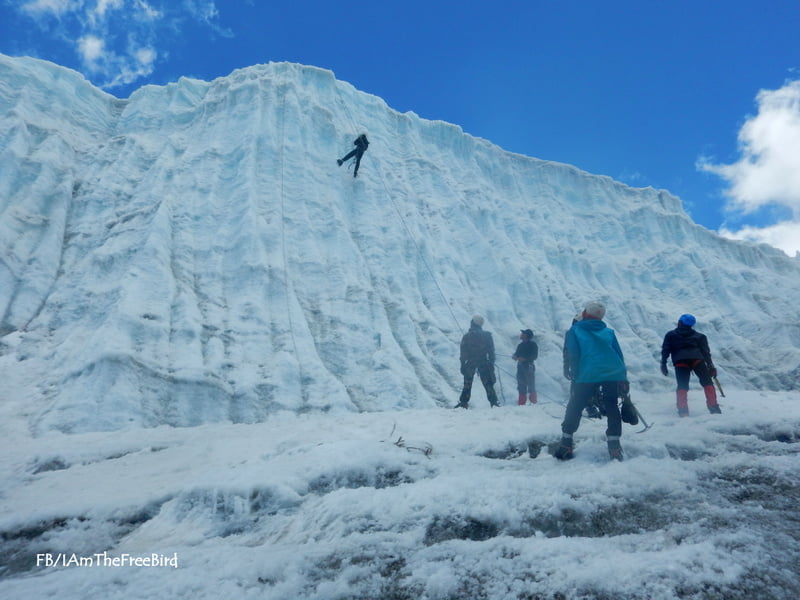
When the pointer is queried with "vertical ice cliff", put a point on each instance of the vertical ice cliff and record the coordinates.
(193, 254)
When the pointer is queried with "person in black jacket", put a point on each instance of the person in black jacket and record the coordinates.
(690, 353)
(360, 144)
(527, 352)
(477, 354)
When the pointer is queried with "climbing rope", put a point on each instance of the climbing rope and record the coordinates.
(283, 241)
(402, 219)
(410, 233)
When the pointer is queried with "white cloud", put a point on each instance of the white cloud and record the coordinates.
(784, 236)
(205, 10)
(117, 41)
(146, 56)
(39, 7)
(91, 50)
(103, 7)
(767, 173)
(147, 12)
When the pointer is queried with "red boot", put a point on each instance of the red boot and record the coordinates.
(532, 398)
(682, 397)
(711, 399)
(521, 400)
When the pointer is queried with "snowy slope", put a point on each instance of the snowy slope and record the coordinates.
(214, 339)
(346, 507)
(194, 254)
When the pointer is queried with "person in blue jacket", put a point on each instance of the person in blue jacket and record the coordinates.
(595, 360)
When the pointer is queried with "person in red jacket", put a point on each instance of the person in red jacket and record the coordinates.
(690, 353)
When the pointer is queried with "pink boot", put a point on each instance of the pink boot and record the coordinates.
(682, 397)
(521, 400)
(711, 400)
(532, 398)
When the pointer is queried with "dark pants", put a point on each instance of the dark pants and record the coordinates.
(526, 378)
(486, 373)
(579, 399)
(683, 372)
(358, 154)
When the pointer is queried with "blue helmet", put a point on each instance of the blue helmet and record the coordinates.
(687, 320)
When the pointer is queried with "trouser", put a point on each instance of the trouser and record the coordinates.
(526, 378)
(582, 393)
(486, 373)
(358, 154)
(683, 372)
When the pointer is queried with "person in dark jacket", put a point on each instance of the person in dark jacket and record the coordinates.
(690, 353)
(595, 362)
(360, 144)
(477, 354)
(527, 352)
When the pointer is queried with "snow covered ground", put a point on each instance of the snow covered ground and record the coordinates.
(354, 506)
(220, 350)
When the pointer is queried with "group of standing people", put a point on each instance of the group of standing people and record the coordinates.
(477, 356)
(595, 365)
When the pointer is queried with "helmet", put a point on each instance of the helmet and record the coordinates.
(687, 320)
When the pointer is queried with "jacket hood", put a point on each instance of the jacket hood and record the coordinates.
(591, 324)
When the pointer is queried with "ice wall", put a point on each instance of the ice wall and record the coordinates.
(193, 254)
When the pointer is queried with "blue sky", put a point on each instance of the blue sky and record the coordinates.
(699, 97)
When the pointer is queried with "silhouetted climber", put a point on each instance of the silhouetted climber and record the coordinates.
(360, 144)
(477, 354)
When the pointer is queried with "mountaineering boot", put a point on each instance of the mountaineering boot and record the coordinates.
(339, 161)
(462, 404)
(565, 448)
(521, 400)
(682, 398)
(711, 400)
(532, 398)
(614, 448)
(491, 396)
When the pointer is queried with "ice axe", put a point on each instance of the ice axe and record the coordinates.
(719, 387)
(641, 418)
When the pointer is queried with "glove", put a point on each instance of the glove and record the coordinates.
(664, 370)
(623, 387)
(712, 370)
